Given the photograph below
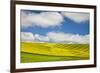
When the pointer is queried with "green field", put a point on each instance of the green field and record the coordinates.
(45, 52)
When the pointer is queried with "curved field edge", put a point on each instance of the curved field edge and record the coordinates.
(43, 52)
(81, 50)
(32, 57)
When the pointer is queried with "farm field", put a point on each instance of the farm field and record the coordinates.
(46, 52)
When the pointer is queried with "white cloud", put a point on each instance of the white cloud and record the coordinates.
(57, 37)
(65, 37)
(27, 37)
(41, 38)
(76, 17)
(43, 19)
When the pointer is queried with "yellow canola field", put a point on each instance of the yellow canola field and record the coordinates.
(56, 49)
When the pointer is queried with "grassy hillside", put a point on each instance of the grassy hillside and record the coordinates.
(43, 52)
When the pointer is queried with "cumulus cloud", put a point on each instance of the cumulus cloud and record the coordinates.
(76, 17)
(56, 37)
(27, 37)
(66, 37)
(41, 38)
(42, 19)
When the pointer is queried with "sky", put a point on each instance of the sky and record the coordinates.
(57, 27)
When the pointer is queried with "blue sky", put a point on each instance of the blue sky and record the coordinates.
(68, 26)
(43, 22)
